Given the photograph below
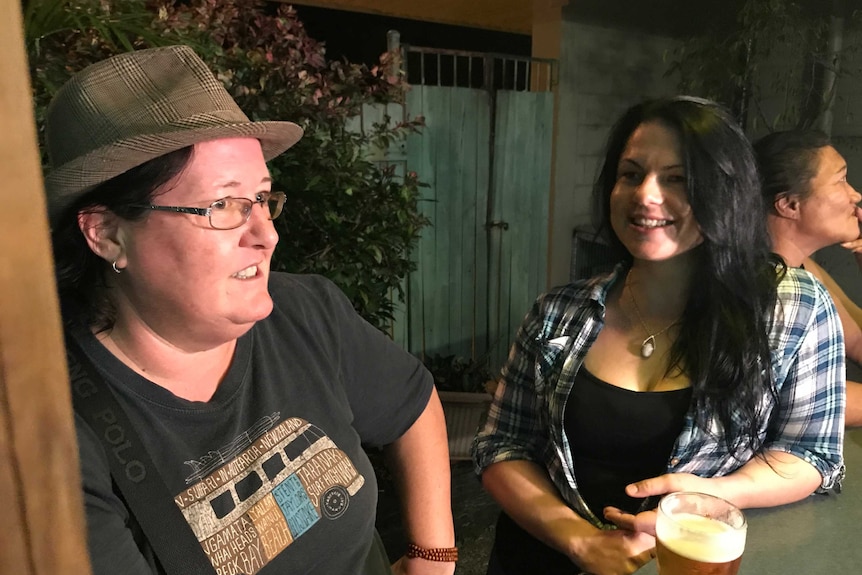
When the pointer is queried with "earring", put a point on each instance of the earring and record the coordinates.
(115, 268)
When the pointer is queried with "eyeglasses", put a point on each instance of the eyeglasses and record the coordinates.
(229, 213)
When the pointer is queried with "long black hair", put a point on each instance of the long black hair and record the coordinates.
(80, 273)
(723, 342)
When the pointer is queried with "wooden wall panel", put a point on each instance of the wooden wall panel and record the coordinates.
(42, 511)
(473, 285)
(522, 162)
(447, 312)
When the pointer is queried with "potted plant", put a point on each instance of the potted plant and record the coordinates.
(465, 387)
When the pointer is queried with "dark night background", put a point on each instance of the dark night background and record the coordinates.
(361, 37)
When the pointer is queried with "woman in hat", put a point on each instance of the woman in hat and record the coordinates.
(810, 205)
(221, 408)
(700, 363)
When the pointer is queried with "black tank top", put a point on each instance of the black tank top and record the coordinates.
(617, 437)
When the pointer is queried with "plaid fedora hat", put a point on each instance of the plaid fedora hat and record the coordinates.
(124, 111)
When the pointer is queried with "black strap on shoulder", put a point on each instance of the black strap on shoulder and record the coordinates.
(146, 494)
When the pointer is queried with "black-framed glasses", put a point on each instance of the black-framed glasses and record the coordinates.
(229, 213)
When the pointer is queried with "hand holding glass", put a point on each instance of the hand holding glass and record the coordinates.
(698, 534)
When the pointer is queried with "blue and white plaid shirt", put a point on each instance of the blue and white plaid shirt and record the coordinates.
(525, 421)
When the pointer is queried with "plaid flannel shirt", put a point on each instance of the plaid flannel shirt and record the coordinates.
(525, 421)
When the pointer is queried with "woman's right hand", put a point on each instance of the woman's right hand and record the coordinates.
(854, 246)
(613, 552)
(525, 492)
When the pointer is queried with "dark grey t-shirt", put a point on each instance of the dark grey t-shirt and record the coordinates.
(270, 473)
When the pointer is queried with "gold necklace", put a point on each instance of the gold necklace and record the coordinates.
(648, 345)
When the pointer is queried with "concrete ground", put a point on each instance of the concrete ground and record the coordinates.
(475, 517)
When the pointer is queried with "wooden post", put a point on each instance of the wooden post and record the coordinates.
(41, 511)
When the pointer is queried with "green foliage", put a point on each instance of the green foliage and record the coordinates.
(65, 36)
(57, 21)
(346, 217)
(737, 66)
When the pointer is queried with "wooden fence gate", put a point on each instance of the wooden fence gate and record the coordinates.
(485, 154)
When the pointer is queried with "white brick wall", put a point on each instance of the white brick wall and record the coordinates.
(602, 72)
(847, 139)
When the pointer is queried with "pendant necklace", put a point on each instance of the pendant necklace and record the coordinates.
(648, 345)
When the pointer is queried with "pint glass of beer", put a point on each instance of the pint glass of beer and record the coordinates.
(698, 534)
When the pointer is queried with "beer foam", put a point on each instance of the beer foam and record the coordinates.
(700, 538)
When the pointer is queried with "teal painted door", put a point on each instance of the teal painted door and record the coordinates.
(482, 262)
(518, 253)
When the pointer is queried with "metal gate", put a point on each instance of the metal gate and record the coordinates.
(485, 154)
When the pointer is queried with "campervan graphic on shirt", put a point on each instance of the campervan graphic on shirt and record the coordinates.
(250, 499)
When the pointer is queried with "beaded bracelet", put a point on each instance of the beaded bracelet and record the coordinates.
(443, 554)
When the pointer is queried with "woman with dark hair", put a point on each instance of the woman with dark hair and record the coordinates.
(221, 408)
(80, 273)
(810, 205)
(698, 364)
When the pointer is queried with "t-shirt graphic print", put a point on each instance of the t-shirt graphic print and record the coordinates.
(250, 499)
